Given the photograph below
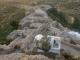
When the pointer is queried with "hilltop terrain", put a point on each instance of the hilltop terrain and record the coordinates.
(22, 20)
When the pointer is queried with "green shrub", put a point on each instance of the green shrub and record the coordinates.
(59, 16)
(76, 24)
(14, 24)
(45, 44)
(63, 19)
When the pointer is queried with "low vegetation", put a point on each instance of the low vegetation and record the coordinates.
(76, 24)
(45, 44)
(59, 16)
(9, 19)
(63, 19)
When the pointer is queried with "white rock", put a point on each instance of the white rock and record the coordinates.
(39, 37)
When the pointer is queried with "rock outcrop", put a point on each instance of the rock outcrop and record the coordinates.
(36, 22)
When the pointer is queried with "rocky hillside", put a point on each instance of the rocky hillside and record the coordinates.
(41, 19)
(36, 21)
(68, 8)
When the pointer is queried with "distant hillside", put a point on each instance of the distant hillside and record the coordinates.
(41, 1)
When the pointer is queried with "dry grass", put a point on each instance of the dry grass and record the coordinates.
(8, 14)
